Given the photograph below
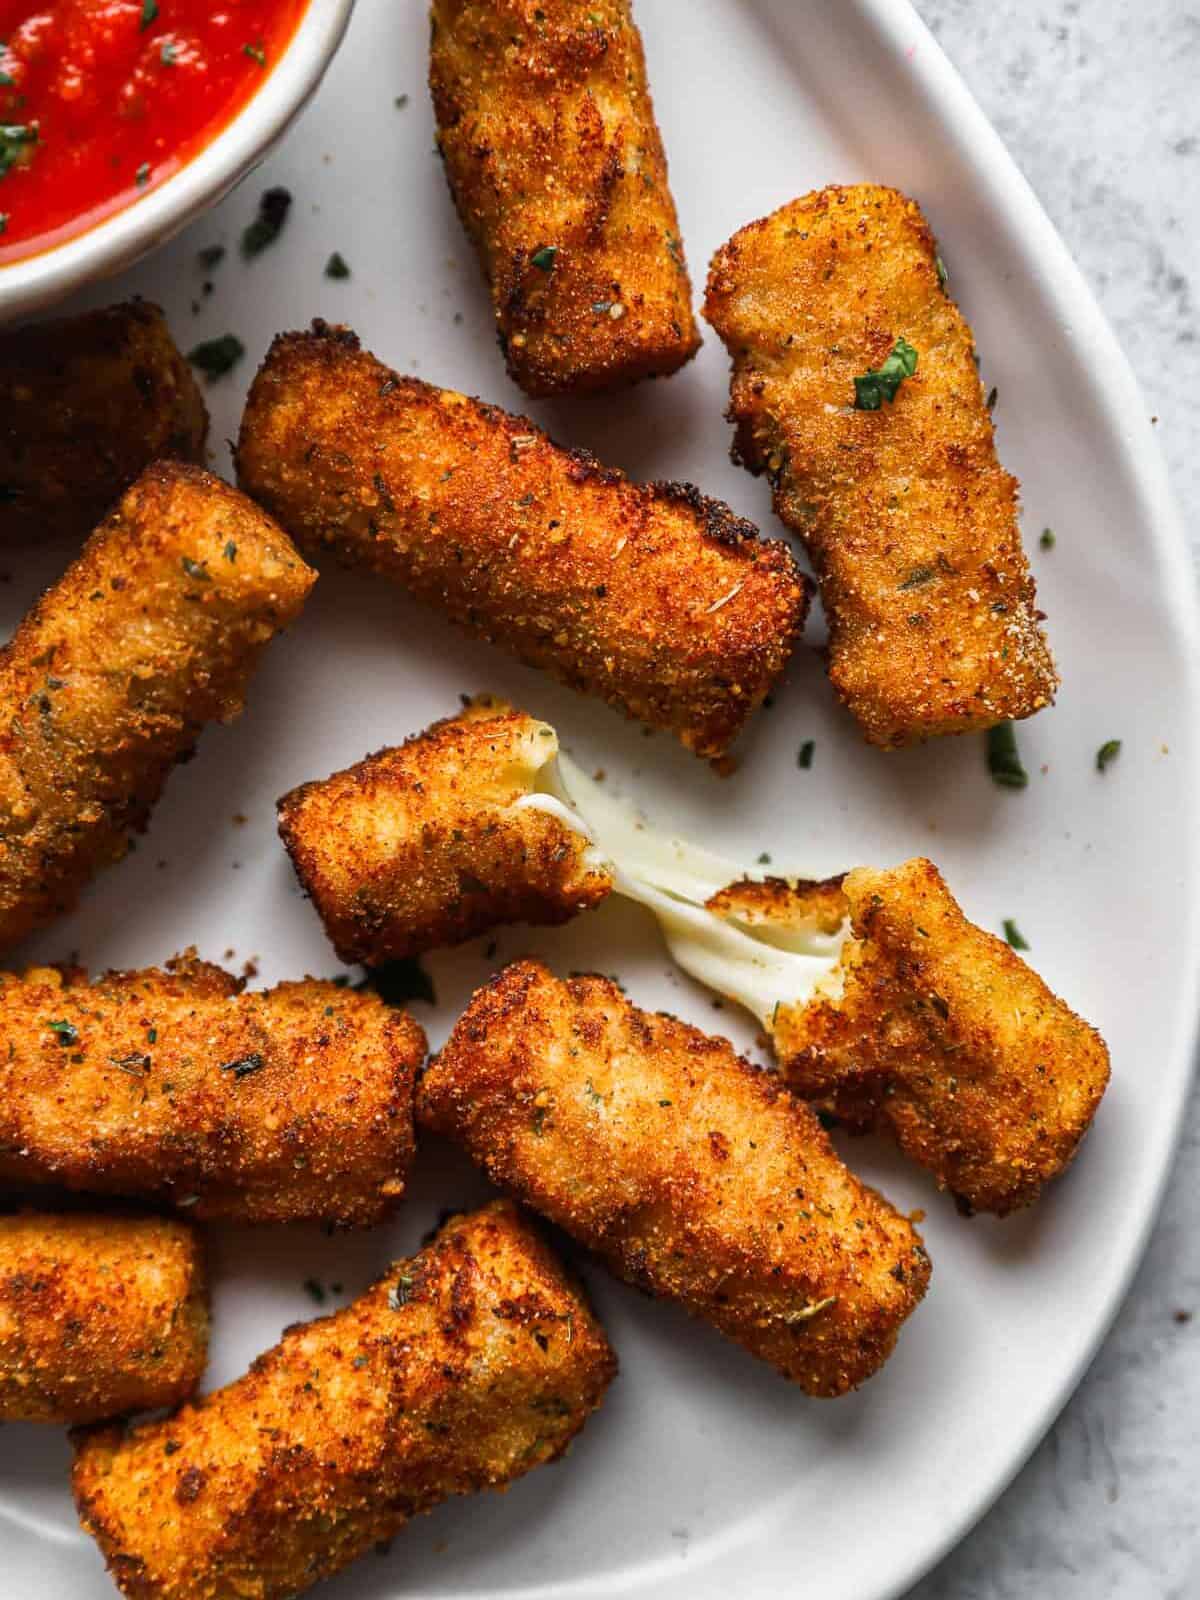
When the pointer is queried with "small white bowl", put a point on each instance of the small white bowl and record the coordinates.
(115, 243)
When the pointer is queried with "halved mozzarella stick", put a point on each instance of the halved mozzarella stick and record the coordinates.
(909, 518)
(284, 1105)
(693, 1175)
(98, 1316)
(934, 1029)
(440, 839)
(107, 683)
(87, 402)
(459, 1370)
(649, 595)
(556, 165)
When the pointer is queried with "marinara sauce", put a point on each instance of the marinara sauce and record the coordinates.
(101, 100)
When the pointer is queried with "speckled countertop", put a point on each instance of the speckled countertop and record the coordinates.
(1097, 101)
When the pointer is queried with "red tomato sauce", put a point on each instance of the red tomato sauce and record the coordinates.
(102, 100)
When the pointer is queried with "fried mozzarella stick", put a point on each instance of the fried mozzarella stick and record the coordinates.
(460, 1370)
(439, 840)
(556, 165)
(86, 403)
(934, 1029)
(98, 1316)
(692, 1174)
(289, 1104)
(659, 601)
(891, 479)
(107, 683)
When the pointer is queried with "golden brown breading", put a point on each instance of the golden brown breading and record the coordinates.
(428, 844)
(556, 165)
(659, 601)
(941, 1033)
(910, 521)
(286, 1105)
(151, 633)
(693, 1175)
(459, 1370)
(87, 402)
(98, 1316)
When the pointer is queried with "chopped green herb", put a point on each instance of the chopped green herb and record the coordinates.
(230, 551)
(211, 256)
(136, 1064)
(1003, 757)
(401, 1292)
(764, 859)
(315, 1291)
(273, 210)
(1107, 754)
(804, 759)
(216, 357)
(943, 276)
(169, 53)
(400, 102)
(336, 266)
(256, 53)
(3, 221)
(664, 1102)
(152, 1035)
(142, 176)
(993, 396)
(881, 383)
(398, 981)
(593, 1094)
(67, 1032)
(1047, 541)
(1013, 934)
(195, 569)
(243, 1066)
(917, 577)
(149, 13)
(543, 258)
(14, 136)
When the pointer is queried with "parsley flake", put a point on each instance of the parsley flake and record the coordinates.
(543, 258)
(273, 210)
(67, 1032)
(256, 53)
(149, 14)
(243, 1066)
(1047, 541)
(1107, 754)
(881, 383)
(14, 136)
(1004, 759)
(216, 357)
(211, 256)
(804, 757)
(1013, 935)
(337, 266)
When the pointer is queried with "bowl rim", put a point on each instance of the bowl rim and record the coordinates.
(115, 242)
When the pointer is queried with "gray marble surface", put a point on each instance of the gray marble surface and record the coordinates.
(1097, 101)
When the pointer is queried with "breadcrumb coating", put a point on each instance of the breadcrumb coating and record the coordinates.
(658, 600)
(909, 519)
(942, 1034)
(556, 165)
(459, 1370)
(692, 1175)
(98, 1316)
(87, 402)
(153, 631)
(289, 1104)
(431, 843)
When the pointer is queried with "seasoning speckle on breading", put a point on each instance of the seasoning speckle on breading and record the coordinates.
(649, 595)
(855, 390)
(556, 165)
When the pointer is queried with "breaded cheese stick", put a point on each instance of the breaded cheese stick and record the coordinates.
(556, 165)
(460, 1370)
(439, 840)
(659, 601)
(289, 1104)
(693, 1175)
(151, 633)
(909, 518)
(98, 1316)
(936, 1030)
(87, 402)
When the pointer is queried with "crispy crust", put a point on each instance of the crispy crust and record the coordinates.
(107, 683)
(547, 131)
(693, 1175)
(910, 521)
(289, 1104)
(459, 1370)
(946, 1036)
(649, 595)
(98, 1316)
(423, 845)
(87, 402)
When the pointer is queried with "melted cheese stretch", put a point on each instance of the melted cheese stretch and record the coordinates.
(759, 967)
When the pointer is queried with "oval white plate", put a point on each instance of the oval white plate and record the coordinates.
(704, 1471)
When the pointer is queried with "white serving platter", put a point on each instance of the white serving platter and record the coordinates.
(704, 1472)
